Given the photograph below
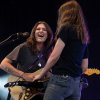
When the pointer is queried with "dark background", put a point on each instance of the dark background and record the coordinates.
(21, 15)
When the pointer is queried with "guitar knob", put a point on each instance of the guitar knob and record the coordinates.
(10, 84)
(14, 84)
(28, 89)
(17, 83)
(25, 97)
(27, 94)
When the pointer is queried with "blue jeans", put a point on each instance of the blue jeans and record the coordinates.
(63, 88)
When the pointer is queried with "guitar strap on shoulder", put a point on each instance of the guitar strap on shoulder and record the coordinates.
(41, 54)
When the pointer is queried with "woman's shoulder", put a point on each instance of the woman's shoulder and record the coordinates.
(23, 45)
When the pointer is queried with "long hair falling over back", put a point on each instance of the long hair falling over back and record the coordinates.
(70, 13)
(32, 41)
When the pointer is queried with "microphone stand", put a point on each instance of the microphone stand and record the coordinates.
(9, 40)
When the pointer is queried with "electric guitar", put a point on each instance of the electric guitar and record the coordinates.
(88, 72)
(24, 90)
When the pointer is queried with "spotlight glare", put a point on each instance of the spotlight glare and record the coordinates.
(3, 91)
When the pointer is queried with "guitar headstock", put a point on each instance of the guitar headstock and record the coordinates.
(91, 71)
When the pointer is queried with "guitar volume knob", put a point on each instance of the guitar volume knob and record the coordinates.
(27, 94)
(28, 89)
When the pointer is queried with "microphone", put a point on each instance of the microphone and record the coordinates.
(25, 34)
(14, 37)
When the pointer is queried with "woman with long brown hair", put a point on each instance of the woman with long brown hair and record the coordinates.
(69, 58)
(25, 55)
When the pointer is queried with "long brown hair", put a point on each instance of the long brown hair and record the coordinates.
(32, 41)
(70, 13)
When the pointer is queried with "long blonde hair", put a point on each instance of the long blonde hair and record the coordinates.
(70, 13)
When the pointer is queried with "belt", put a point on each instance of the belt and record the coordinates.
(63, 76)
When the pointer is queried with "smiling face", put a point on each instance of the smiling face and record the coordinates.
(41, 33)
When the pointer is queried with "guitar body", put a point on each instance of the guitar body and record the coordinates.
(26, 93)
(91, 71)
(34, 93)
(16, 91)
